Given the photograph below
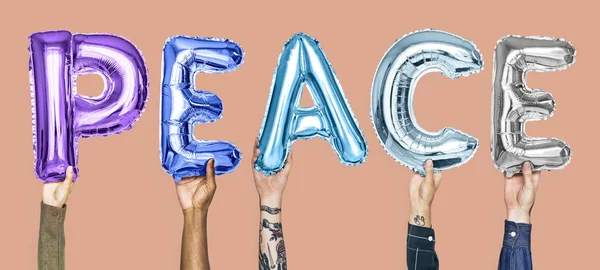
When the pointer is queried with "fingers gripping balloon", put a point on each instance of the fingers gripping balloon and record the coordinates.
(60, 115)
(182, 106)
(394, 84)
(303, 62)
(514, 103)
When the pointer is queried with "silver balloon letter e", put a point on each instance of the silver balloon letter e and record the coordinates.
(514, 103)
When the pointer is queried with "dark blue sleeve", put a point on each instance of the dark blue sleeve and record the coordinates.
(420, 249)
(516, 249)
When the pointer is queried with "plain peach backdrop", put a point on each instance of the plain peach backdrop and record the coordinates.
(123, 212)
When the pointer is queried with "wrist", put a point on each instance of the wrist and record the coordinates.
(420, 207)
(518, 216)
(271, 200)
(420, 216)
(195, 212)
(53, 203)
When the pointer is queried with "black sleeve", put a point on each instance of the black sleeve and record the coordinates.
(420, 248)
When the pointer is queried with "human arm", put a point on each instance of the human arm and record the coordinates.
(51, 239)
(519, 197)
(420, 241)
(271, 254)
(195, 195)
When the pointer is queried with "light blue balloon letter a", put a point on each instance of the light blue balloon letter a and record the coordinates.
(303, 62)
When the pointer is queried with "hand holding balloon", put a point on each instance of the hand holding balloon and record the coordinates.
(197, 192)
(195, 195)
(270, 188)
(421, 192)
(519, 194)
(56, 193)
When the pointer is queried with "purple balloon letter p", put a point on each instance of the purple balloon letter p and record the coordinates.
(60, 115)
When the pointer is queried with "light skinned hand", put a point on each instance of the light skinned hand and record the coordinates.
(421, 193)
(197, 192)
(519, 194)
(56, 194)
(270, 188)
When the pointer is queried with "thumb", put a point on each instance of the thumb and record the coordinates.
(528, 176)
(289, 161)
(69, 176)
(210, 173)
(429, 172)
(255, 152)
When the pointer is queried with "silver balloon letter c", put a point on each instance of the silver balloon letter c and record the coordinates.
(514, 103)
(394, 84)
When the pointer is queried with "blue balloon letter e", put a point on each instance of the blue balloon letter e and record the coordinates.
(182, 106)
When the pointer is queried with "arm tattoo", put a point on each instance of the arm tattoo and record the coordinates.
(269, 260)
(270, 210)
(281, 262)
(263, 261)
(419, 220)
(274, 228)
(281, 257)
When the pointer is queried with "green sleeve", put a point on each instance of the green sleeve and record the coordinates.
(51, 241)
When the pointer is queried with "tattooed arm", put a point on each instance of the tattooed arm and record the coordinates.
(420, 242)
(195, 195)
(271, 245)
(271, 249)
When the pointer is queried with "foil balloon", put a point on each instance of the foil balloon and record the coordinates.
(514, 103)
(182, 106)
(60, 115)
(301, 63)
(399, 71)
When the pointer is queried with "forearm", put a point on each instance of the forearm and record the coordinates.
(194, 243)
(518, 216)
(420, 215)
(272, 254)
(51, 240)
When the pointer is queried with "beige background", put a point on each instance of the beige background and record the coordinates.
(123, 213)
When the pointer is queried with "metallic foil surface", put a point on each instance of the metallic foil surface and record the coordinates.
(514, 103)
(303, 62)
(60, 115)
(183, 106)
(392, 114)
